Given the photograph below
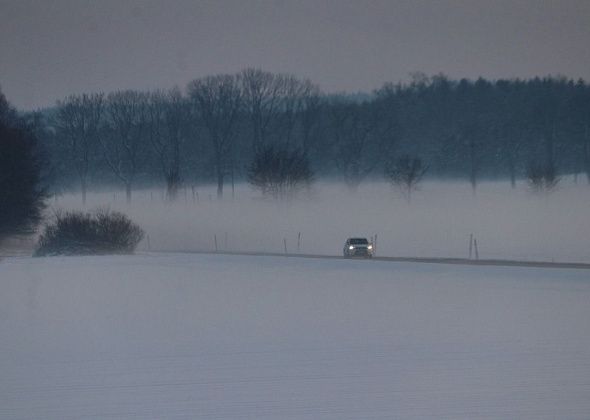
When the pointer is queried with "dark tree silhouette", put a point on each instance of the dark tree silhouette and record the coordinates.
(542, 177)
(280, 173)
(21, 193)
(310, 116)
(123, 149)
(261, 93)
(405, 174)
(356, 145)
(78, 122)
(217, 101)
(168, 116)
(460, 129)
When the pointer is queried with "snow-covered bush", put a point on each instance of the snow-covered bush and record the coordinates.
(79, 233)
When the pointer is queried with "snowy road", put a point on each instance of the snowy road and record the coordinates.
(244, 337)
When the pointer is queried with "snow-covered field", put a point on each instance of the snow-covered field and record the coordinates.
(170, 336)
(507, 223)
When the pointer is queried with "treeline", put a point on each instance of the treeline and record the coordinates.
(22, 191)
(213, 130)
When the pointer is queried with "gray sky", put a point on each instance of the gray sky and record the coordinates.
(52, 48)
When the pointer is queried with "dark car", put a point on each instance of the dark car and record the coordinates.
(358, 247)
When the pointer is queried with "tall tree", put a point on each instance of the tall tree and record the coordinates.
(356, 147)
(77, 122)
(310, 115)
(168, 115)
(127, 117)
(21, 191)
(405, 174)
(261, 95)
(217, 101)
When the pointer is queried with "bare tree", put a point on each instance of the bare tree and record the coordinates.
(510, 133)
(280, 173)
(405, 174)
(78, 121)
(310, 115)
(127, 113)
(217, 101)
(586, 155)
(542, 177)
(293, 92)
(262, 92)
(464, 136)
(168, 114)
(354, 141)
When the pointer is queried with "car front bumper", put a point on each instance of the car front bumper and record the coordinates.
(359, 252)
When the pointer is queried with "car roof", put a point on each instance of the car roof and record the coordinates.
(357, 239)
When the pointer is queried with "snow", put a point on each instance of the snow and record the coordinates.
(176, 336)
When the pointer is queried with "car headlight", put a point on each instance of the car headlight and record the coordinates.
(351, 247)
(370, 247)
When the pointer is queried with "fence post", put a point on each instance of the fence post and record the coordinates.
(299, 242)
(476, 251)
(215, 239)
(470, 245)
(375, 245)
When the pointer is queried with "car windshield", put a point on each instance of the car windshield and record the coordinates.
(358, 241)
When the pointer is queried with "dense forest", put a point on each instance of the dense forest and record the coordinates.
(211, 131)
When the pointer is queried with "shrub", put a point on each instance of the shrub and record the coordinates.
(78, 233)
(280, 173)
(542, 178)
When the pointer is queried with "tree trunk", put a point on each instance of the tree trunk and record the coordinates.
(512, 169)
(83, 186)
(172, 185)
(128, 192)
(219, 183)
(587, 152)
(171, 190)
(473, 169)
(550, 148)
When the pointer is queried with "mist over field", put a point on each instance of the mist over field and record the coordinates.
(507, 223)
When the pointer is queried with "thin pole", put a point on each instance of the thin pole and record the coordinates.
(375, 245)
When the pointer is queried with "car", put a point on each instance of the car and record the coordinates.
(358, 247)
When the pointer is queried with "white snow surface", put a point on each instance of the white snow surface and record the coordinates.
(181, 336)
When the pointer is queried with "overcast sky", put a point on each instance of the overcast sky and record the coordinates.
(52, 48)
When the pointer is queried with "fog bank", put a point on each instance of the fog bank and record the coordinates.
(507, 223)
